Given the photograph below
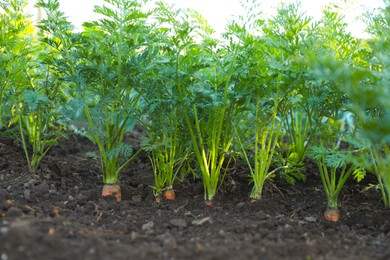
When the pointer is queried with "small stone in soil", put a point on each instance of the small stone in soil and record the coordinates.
(41, 191)
(134, 235)
(53, 187)
(47, 175)
(240, 204)
(30, 183)
(168, 240)
(178, 223)
(203, 221)
(221, 233)
(92, 251)
(148, 226)
(311, 219)
(27, 194)
(52, 192)
(4, 230)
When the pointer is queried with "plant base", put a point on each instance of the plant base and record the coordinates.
(208, 203)
(332, 215)
(169, 194)
(113, 190)
(157, 199)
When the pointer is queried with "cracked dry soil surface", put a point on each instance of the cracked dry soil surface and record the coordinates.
(59, 214)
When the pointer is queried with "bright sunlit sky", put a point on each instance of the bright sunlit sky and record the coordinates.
(217, 12)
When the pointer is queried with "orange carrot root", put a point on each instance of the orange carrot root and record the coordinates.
(112, 190)
(332, 215)
(169, 194)
(209, 203)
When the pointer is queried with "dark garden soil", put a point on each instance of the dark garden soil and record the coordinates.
(59, 214)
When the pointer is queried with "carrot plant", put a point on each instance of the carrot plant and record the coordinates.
(34, 88)
(340, 71)
(288, 36)
(166, 166)
(367, 87)
(210, 124)
(333, 165)
(164, 124)
(164, 144)
(301, 40)
(269, 75)
(267, 135)
(38, 125)
(211, 139)
(108, 78)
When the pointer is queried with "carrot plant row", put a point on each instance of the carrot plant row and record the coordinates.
(269, 92)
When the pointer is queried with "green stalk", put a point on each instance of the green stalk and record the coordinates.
(171, 150)
(264, 149)
(102, 153)
(264, 156)
(120, 168)
(332, 184)
(209, 159)
(298, 131)
(381, 170)
(110, 167)
(163, 158)
(24, 144)
(32, 131)
(159, 177)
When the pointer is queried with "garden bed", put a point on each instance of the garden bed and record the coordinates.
(59, 214)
